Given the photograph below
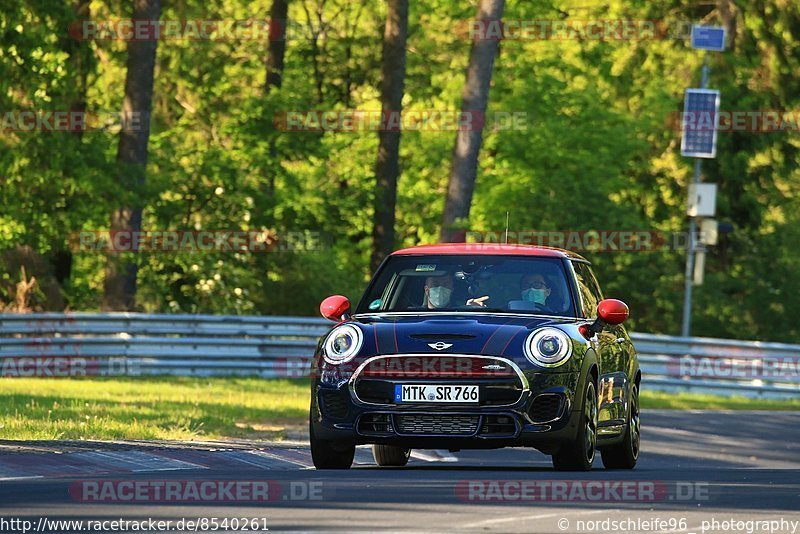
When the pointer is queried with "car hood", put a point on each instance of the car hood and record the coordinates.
(468, 333)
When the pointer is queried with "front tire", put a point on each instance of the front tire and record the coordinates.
(625, 454)
(330, 454)
(579, 455)
(390, 455)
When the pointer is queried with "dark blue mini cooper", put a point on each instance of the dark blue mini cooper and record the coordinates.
(477, 346)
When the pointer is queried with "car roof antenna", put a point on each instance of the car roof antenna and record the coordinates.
(505, 239)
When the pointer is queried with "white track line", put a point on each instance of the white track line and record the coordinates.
(274, 456)
(438, 456)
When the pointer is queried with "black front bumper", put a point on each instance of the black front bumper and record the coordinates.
(544, 416)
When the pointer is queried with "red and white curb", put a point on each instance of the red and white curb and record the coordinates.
(22, 466)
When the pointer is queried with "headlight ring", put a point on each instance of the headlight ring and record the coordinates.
(342, 344)
(548, 347)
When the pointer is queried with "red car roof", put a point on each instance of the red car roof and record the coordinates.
(487, 249)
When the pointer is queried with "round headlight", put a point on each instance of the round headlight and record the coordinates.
(549, 347)
(343, 344)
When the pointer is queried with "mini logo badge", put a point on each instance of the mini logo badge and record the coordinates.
(440, 345)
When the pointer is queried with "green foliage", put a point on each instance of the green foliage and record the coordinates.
(597, 151)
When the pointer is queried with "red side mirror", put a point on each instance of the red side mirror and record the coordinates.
(335, 308)
(612, 311)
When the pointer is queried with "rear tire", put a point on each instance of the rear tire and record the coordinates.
(330, 454)
(624, 454)
(579, 455)
(390, 455)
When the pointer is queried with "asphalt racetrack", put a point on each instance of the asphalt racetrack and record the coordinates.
(698, 472)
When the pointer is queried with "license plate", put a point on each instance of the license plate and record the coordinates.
(435, 393)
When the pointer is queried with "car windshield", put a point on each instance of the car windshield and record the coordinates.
(513, 284)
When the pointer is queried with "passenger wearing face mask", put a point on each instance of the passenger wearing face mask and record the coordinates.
(439, 290)
(534, 288)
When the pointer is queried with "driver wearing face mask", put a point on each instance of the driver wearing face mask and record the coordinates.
(534, 288)
(438, 290)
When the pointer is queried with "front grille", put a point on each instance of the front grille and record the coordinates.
(455, 425)
(375, 391)
(375, 424)
(501, 393)
(334, 404)
(546, 407)
(500, 385)
(437, 366)
(498, 425)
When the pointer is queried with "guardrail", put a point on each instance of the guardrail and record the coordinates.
(721, 366)
(131, 344)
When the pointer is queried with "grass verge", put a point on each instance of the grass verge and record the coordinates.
(150, 408)
(208, 408)
(695, 401)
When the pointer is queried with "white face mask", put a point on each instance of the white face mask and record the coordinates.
(535, 295)
(439, 297)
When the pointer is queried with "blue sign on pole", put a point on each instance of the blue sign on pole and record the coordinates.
(699, 123)
(708, 38)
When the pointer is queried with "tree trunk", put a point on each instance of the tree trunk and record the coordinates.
(278, 33)
(80, 61)
(475, 97)
(278, 30)
(120, 279)
(727, 13)
(387, 167)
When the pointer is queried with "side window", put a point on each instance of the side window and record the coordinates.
(588, 287)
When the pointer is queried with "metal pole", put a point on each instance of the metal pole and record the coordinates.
(687, 283)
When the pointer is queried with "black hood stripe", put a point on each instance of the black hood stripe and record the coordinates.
(492, 336)
(522, 330)
(386, 338)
